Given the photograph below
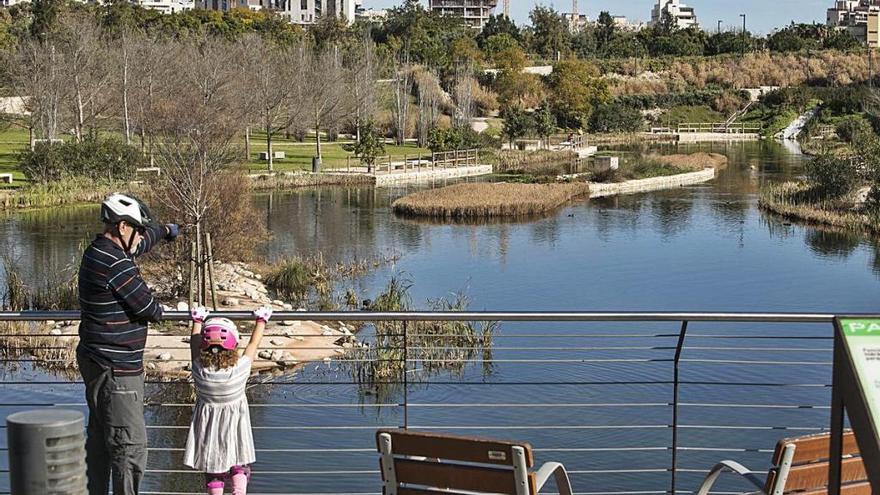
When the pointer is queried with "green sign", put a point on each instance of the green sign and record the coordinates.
(862, 338)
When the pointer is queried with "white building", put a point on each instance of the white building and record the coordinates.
(164, 6)
(295, 11)
(683, 15)
(622, 22)
(859, 17)
(475, 13)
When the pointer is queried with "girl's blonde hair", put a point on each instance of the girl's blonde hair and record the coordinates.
(218, 359)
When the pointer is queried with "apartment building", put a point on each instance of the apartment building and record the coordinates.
(164, 6)
(474, 13)
(683, 15)
(859, 17)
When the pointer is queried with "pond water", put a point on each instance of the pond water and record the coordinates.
(701, 248)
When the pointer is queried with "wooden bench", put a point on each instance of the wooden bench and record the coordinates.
(7, 178)
(800, 465)
(414, 463)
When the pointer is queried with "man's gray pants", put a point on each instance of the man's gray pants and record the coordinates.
(117, 434)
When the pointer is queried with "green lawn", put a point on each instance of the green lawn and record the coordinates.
(690, 114)
(12, 141)
(299, 154)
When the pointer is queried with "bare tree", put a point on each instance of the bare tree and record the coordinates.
(34, 71)
(431, 98)
(402, 86)
(85, 64)
(196, 117)
(465, 89)
(274, 77)
(324, 98)
(147, 75)
(361, 67)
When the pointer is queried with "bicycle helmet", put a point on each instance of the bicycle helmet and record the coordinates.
(119, 207)
(221, 333)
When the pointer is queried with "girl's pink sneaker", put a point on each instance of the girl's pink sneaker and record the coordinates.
(215, 487)
(240, 476)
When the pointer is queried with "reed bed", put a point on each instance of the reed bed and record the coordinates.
(68, 191)
(693, 162)
(799, 201)
(466, 201)
(300, 180)
(526, 162)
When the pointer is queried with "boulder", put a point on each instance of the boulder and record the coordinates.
(55, 331)
(278, 302)
(287, 307)
(289, 323)
(265, 354)
(231, 301)
(326, 333)
(165, 356)
(182, 306)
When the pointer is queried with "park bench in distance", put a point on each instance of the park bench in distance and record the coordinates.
(800, 465)
(414, 463)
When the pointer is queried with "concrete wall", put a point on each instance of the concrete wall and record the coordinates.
(700, 137)
(601, 190)
(412, 177)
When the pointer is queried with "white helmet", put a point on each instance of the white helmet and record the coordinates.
(118, 207)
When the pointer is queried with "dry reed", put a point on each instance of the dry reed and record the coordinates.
(795, 200)
(465, 201)
(693, 162)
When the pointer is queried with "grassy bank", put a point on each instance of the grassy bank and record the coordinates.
(799, 201)
(464, 201)
(69, 191)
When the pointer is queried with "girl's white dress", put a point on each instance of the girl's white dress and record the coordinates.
(220, 433)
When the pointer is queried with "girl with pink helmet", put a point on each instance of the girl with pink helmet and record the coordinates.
(220, 442)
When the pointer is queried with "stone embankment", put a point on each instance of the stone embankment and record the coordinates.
(601, 190)
(286, 343)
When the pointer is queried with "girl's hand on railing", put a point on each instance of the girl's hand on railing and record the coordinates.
(199, 314)
(263, 314)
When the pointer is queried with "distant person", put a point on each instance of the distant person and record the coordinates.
(220, 442)
(117, 306)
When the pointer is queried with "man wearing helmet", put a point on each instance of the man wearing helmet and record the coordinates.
(117, 306)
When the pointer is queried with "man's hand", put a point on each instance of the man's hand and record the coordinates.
(263, 314)
(173, 231)
(199, 314)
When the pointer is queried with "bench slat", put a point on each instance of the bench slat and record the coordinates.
(815, 476)
(456, 477)
(813, 448)
(455, 448)
(854, 489)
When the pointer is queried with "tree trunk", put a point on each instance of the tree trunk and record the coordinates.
(318, 135)
(31, 137)
(126, 118)
(78, 128)
(269, 154)
(247, 143)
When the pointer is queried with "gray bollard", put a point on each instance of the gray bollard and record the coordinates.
(46, 452)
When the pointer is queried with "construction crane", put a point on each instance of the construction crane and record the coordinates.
(507, 8)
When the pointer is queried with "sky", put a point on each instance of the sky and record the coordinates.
(762, 16)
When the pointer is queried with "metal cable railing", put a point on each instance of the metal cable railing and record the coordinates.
(647, 409)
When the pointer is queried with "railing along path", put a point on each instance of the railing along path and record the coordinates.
(632, 403)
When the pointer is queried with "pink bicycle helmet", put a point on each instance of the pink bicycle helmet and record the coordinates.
(219, 332)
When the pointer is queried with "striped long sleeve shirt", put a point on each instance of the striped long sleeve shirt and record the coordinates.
(116, 304)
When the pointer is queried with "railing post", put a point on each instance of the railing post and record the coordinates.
(405, 377)
(678, 347)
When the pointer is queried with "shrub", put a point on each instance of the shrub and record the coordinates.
(831, 175)
(852, 127)
(455, 138)
(616, 118)
(93, 157)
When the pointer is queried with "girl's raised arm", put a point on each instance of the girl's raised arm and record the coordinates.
(199, 315)
(263, 314)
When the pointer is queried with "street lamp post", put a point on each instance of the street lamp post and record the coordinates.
(743, 47)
